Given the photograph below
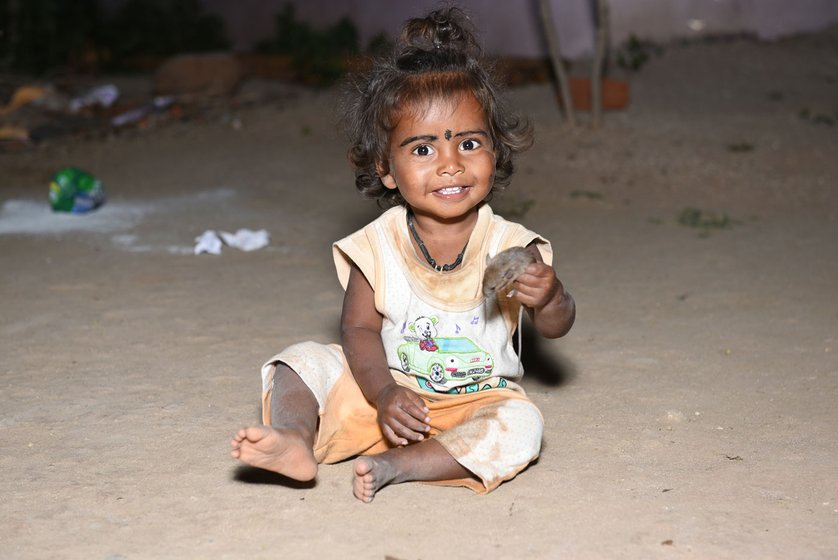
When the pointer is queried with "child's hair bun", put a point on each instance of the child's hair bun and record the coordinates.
(448, 30)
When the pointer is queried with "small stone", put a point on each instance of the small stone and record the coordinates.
(199, 73)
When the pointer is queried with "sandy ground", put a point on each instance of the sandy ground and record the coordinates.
(690, 413)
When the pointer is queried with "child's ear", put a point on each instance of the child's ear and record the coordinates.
(387, 178)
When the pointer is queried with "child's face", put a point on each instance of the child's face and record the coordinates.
(441, 159)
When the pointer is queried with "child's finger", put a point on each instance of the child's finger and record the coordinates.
(391, 436)
(535, 290)
(404, 433)
(540, 280)
(526, 293)
(410, 421)
(418, 411)
(413, 405)
(397, 434)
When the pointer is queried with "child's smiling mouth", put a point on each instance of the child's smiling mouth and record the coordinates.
(451, 191)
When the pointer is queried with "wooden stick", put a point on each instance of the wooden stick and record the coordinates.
(556, 59)
(602, 28)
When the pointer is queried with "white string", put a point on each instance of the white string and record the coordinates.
(520, 348)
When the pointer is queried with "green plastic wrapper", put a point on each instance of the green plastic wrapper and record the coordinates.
(75, 190)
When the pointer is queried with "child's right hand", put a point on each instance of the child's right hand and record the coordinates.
(402, 415)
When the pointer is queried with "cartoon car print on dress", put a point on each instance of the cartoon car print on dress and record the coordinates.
(455, 359)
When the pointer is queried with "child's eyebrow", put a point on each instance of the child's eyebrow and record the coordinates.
(425, 137)
(468, 132)
(434, 138)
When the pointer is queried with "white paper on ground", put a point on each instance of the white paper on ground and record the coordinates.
(246, 239)
(208, 242)
(211, 241)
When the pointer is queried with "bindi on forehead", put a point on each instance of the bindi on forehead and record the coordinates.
(447, 134)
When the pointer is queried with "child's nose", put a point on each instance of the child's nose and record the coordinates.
(450, 162)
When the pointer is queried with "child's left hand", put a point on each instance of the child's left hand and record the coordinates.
(537, 286)
(551, 308)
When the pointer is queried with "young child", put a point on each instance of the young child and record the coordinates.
(423, 386)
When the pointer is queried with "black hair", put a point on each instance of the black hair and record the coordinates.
(436, 57)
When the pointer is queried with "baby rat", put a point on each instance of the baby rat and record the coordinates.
(503, 269)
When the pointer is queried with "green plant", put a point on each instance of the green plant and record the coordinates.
(634, 53)
(316, 55)
(704, 220)
(740, 147)
(817, 118)
(514, 207)
(590, 195)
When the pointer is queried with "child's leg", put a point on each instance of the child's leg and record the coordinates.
(286, 445)
(482, 442)
(425, 461)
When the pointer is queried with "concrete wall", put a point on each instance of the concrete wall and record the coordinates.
(513, 27)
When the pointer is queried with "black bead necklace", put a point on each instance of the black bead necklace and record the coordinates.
(428, 257)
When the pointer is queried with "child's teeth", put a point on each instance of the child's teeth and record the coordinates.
(450, 190)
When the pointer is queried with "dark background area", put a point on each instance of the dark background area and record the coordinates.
(84, 37)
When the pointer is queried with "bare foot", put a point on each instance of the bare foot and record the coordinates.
(282, 451)
(371, 475)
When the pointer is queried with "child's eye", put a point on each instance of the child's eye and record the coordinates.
(422, 150)
(469, 144)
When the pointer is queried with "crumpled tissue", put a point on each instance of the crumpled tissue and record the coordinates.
(212, 241)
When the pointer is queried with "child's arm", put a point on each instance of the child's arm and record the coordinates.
(402, 415)
(551, 308)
